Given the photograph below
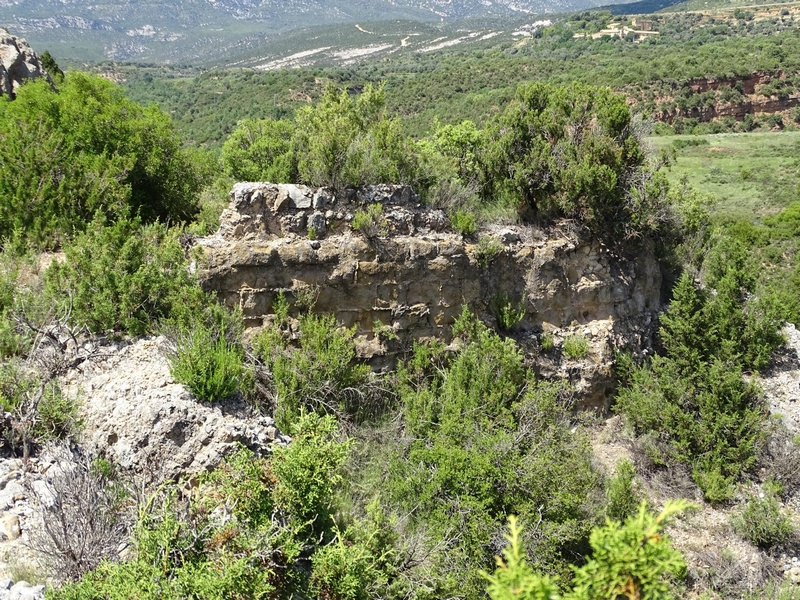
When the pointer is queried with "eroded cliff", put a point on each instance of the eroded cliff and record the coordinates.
(406, 276)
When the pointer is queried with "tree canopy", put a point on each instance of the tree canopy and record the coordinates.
(83, 149)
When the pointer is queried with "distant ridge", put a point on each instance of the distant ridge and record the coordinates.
(198, 31)
(643, 7)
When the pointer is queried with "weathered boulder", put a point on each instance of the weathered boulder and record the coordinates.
(18, 63)
(415, 273)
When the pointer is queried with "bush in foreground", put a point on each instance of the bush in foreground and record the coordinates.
(280, 541)
(629, 560)
(85, 149)
(123, 276)
(210, 366)
(483, 440)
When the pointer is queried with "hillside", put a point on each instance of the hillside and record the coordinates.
(453, 314)
(451, 74)
(196, 31)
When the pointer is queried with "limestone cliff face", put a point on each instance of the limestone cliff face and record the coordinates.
(413, 274)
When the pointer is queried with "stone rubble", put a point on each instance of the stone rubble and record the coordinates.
(138, 417)
(781, 383)
(21, 590)
(19, 485)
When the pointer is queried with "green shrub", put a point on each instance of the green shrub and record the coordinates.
(384, 332)
(695, 398)
(483, 443)
(775, 589)
(370, 222)
(762, 522)
(506, 312)
(576, 346)
(463, 222)
(11, 339)
(487, 250)
(57, 417)
(306, 298)
(123, 277)
(344, 141)
(343, 570)
(629, 560)
(514, 579)
(682, 143)
(570, 151)
(548, 342)
(282, 516)
(632, 559)
(40, 412)
(623, 496)
(320, 375)
(247, 483)
(210, 366)
(261, 151)
(713, 420)
(213, 199)
(88, 149)
(51, 66)
(308, 472)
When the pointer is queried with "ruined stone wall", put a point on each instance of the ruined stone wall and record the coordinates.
(414, 274)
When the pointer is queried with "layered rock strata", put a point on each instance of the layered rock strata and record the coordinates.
(405, 275)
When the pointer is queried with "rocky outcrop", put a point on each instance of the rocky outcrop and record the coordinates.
(753, 101)
(781, 381)
(738, 110)
(21, 590)
(138, 417)
(135, 415)
(411, 274)
(18, 63)
(749, 82)
(17, 519)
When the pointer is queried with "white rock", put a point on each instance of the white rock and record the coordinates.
(9, 525)
(148, 424)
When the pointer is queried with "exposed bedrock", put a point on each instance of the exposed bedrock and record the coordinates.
(413, 273)
(18, 64)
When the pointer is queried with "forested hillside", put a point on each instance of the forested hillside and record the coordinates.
(278, 442)
(199, 32)
(474, 81)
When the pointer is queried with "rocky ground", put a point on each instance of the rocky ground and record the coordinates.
(135, 415)
(718, 558)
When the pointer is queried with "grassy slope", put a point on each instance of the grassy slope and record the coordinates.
(752, 175)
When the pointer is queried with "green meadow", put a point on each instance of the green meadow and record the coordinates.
(752, 175)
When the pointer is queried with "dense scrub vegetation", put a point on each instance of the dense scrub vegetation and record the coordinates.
(295, 529)
(85, 149)
(555, 151)
(396, 485)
